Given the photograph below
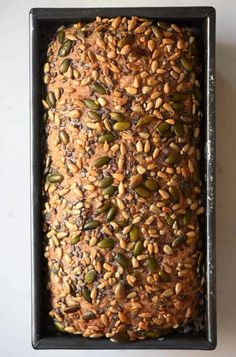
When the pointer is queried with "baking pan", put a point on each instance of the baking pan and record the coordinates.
(43, 22)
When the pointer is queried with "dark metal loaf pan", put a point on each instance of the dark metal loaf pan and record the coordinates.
(43, 22)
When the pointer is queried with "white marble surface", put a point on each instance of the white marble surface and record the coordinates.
(14, 177)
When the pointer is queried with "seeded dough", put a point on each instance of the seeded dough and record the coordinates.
(133, 271)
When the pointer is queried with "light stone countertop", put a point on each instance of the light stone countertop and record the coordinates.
(15, 339)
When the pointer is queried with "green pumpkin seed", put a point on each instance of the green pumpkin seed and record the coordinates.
(106, 181)
(90, 276)
(86, 294)
(152, 264)
(55, 178)
(187, 217)
(178, 129)
(165, 278)
(122, 125)
(94, 115)
(91, 104)
(98, 88)
(163, 25)
(152, 334)
(59, 327)
(80, 33)
(123, 223)
(92, 225)
(174, 193)
(134, 233)
(173, 158)
(71, 309)
(193, 50)
(170, 221)
(157, 32)
(64, 65)
(186, 119)
(186, 64)
(197, 92)
(51, 99)
(109, 191)
(108, 137)
(65, 48)
(88, 315)
(179, 97)
(151, 185)
(104, 208)
(112, 213)
(178, 106)
(122, 260)
(117, 116)
(138, 248)
(106, 243)
(120, 337)
(178, 241)
(144, 121)
(185, 188)
(64, 137)
(60, 36)
(163, 127)
(75, 239)
(104, 160)
(125, 41)
(142, 192)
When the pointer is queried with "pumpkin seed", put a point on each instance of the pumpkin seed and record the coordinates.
(122, 260)
(152, 334)
(123, 223)
(108, 137)
(119, 291)
(163, 25)
(174, 193)
(65, 48)
(152, 264)
(138, 248)
(91, 104)
(71, 309)
(109, 191)
(58, 326)
(173, 158)
(98, 88)
(178, 241)
(90, 276)
(157, 32)
(178, 129)
(117, 116)
(177, 106)
(134, 233)
(106, 243)
(186, 64)
(54, 178)
(60, 36)
(122, 125)
(112, 213)
(179, 97)
(120, 337)
(163, 127)
(187, 217)
(145, 120)
(86, 294)
(104, 207)
(104, 160)
(151, 185)
(94, 115)
(142, 192)
(170, 221)
(186, 119)
(193, 50)
(125, 41)
(80, 33)
(165, 278)
(51, 99)
(64, 65)
(106, 181)
(75, 239)
(88, 315)
(138, 52)
(185, 188)
(197, 92)
(92, 225)
(64, 137)
(196, 176)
